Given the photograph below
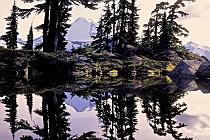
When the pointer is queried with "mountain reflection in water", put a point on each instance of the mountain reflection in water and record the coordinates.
(80, 108)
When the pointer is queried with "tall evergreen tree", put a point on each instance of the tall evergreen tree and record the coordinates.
(157, 15)
(132, 24)
(167, 38)
(11, 35)
(63, 18)
(120, 27)
(146, 46)
(29, 43)
(102, 39)
(98, 42)
(152, 31)
(177, 29)
(107, 27)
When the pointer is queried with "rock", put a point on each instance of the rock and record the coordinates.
(172, 56)
(204, 70)
(204, 85)
(128, 50)
(186, 69)
(137, 60)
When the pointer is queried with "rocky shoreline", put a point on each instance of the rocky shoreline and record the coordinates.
(32, 63)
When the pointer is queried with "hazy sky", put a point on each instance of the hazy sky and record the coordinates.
(197, 22)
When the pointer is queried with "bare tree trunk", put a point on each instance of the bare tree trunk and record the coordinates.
(52, 36)
(46, 26)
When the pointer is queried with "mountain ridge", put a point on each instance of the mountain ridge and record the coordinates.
(198, 49)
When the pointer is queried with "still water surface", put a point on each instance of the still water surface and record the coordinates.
(141, 109)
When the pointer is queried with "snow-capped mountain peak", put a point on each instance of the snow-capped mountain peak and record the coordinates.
(81, 30)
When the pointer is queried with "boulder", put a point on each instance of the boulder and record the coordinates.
(204, 70)
(186, 84)
(186, 69)
(203, 85)
(128, 50)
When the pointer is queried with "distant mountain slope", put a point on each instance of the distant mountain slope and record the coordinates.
(199, 50)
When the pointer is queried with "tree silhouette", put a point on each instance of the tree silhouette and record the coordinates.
(102, 39)
(55, 118)
(133, 26)
(11, 35)
(160, 105)
(29, 43)
(117, 113)
(29, 102)
(98, 42)
(11, 112)
(63, 25)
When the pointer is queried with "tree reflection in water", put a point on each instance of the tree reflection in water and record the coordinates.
(55, 117)
(116, 106)
(117, 112)
(11, 105)
(159, 103)
(29, 102)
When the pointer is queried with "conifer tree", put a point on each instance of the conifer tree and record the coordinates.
(107, 27)
(166, 36)
(152, 32)
(11, 35)
(63, 18)
(132, 24)
(163, 30)
(177, 29)
(29, 43)
(102, 39)
(98, 39)
(120, 27)
(146, 46)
